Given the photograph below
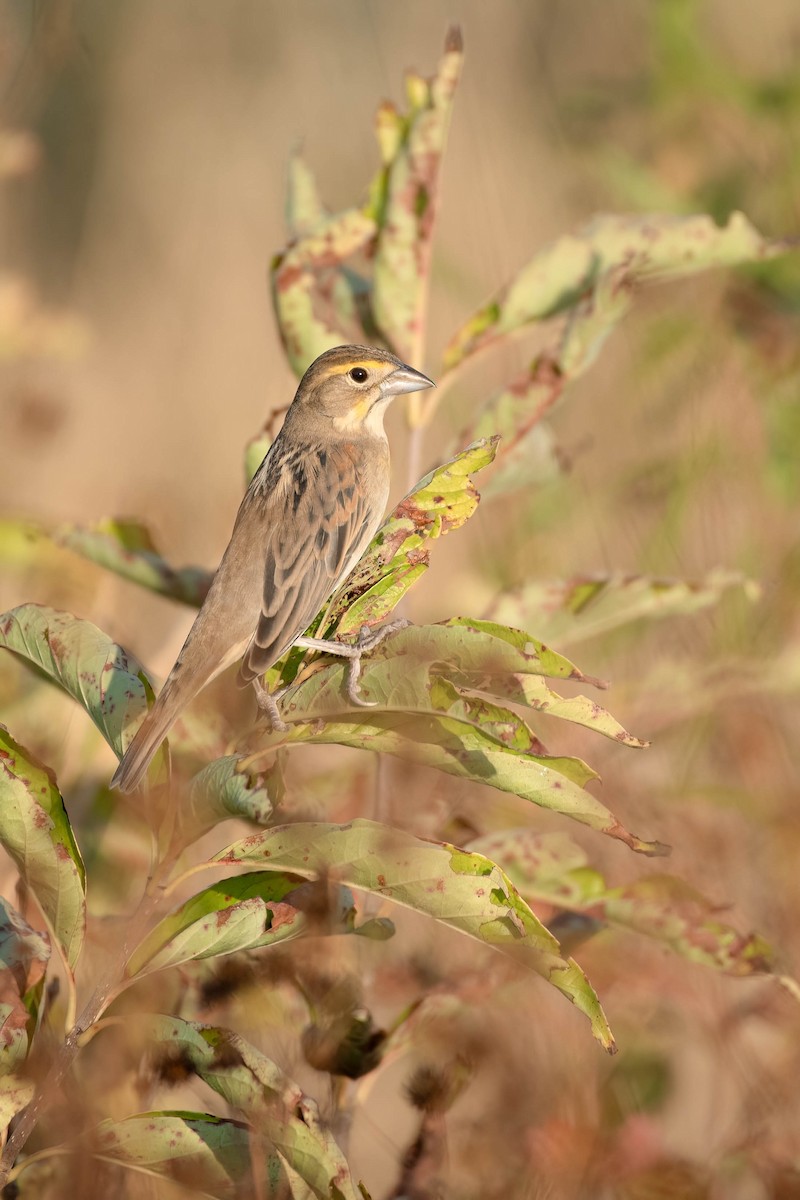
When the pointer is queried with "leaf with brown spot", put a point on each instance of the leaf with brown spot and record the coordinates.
(466, 892)
(249, 1081)
(420, 714)
(405, 199)
(241, 913)
(36, 833)
(208, 1155)
(551, 868)
(398, 556)
(303, 281)
(528, 453)
(105, 680)
(636, 248)
(222, 791)
(24, 955)
(577, 609)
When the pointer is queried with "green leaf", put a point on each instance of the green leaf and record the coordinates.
(511, 664)
(405, 200)
(421, 716)
(36, 833)
(127, 549)
(210, 1155)
(222, 791)
(399, 555)
(251, 1082)
(83, 660)
(24, 955)
(572, 611)
(644, 248)
(464, 891)
(528, 453)
(306, 313)
(553, 869)
(241, 913)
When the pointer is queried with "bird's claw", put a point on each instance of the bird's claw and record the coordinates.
(367, 640)
(351, 685)
(268, 704)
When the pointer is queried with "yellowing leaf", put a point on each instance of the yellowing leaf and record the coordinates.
(302, 296)
(405, 200)
(577, 609)
(36, 833)
(464, 891)
(551, 868)
(643, 248)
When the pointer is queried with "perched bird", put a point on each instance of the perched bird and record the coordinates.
(308, 515)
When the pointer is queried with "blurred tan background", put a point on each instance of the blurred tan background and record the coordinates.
(163, 133)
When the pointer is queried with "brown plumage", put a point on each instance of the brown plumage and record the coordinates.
(309, 513)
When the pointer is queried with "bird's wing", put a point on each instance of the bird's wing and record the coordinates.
(327, 523)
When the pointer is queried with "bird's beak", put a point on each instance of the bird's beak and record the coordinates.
(404, 379)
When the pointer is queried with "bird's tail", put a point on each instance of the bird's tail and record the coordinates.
(149, 736)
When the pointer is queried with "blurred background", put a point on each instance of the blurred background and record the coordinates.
(143, 157)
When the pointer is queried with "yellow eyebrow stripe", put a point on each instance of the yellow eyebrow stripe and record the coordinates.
(361, 362)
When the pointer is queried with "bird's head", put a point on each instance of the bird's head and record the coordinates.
(352, 386)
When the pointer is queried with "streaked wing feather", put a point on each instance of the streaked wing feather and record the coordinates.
(327, 521)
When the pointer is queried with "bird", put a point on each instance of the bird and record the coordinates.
(312, 508)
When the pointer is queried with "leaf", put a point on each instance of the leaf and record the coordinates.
(405, 200)
(127, 549)
(16, 1093)
(646, 248)
(13, 1015)
(251, 1082)
(552, 868)
(581, 608)
(83, 660)
(511, 664)
(210, 1155)
(398, 555)
(24, 955)
(421, 716)
(234, 914)
(36, 833)
(222, 791)
(464, 891)
(307, 316)
(527, 453)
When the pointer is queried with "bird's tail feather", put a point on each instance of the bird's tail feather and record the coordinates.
(149, 736)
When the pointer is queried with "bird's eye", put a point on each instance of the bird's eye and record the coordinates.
(358, 374)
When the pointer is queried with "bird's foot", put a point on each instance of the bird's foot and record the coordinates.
(367, 640)
(268, 704)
